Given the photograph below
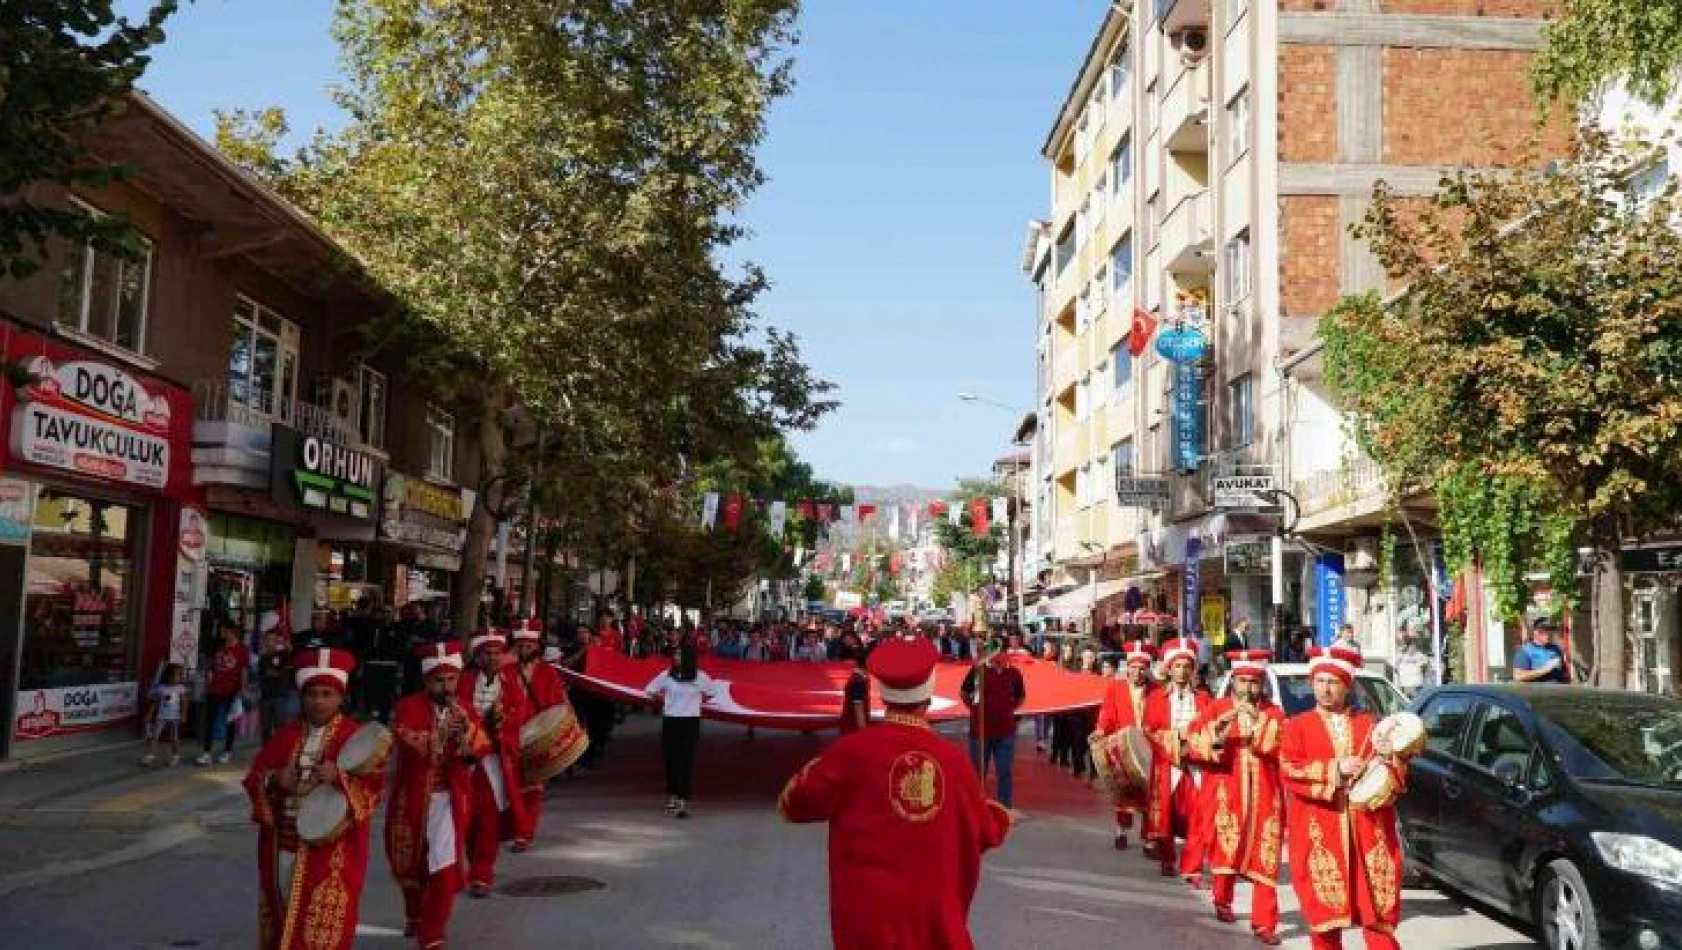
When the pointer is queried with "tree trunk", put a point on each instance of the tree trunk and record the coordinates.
(470, 580)
(1611, 662)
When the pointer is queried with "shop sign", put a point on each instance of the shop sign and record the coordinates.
(190, 587)
(1328, 597)
(1250, 557)
(1141, 491)
(52, 712)
(1188, 417)
(1662, 560)
(1191, 588)
(1182, 344)
(1244, 492)
(17, 510)
(325, 475)
(450, 563)
(92, 419)
(420, 513)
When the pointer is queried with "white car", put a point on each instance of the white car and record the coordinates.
(1287, 684)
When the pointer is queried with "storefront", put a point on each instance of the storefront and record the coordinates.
(93, 535)
(423, 528)
(335, 486)
(249, 576)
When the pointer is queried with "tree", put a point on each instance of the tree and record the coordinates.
(1592, 41)
(1530, 374)
(968, 554)
(548, 196)
(66, 67)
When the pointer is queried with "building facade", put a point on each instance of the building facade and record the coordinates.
(1206, 166)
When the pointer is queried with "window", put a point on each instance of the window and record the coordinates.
(1238, 126)
(1121, 458)
(1153, 219)
(1500, 743)
(81, 594)
(441, 444)
(370, 405)
(1065, 247)
(263, 361)
(1235, 267)
(1121, 165)
(1444, 718)
(1123, 360)
(1121, 263)
(104, 295)
(1121, 73)
(1241, 405)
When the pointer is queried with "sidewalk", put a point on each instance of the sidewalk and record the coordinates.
(108, 790)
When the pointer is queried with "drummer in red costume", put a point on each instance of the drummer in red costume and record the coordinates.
(1346, 862)
(492, 689)
(542, 687)
(1175, 799)
(908, 822)
(437, 740)
(308, 896)
(1124, 705)
(1237, 741)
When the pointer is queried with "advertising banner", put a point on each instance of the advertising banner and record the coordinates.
(190, 587)
(43, 713)
(1328, 597)
(1191, 589)
(1188, 417)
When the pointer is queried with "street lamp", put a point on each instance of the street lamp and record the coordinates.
(1288, 518)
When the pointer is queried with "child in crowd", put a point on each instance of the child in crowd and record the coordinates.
(169, 702)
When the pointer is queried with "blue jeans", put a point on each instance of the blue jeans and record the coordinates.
(1000, 753)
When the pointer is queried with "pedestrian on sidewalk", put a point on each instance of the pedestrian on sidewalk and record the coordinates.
(169, 698)
(228, 670)
(994, 690)
(279, 703)
(679, 691)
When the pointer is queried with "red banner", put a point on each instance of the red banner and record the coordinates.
(978, 516)
(808, 695)
(732, 512)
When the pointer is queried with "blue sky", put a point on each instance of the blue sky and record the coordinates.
(904, 169)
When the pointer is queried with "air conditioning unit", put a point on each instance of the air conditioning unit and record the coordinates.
(337, 395)
(1192, 42)
(1360, 554)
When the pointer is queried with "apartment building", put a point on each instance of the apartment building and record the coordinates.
(1205, 167)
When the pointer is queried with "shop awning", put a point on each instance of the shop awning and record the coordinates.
(1077, 603)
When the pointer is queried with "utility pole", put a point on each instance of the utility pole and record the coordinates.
(1288, 519)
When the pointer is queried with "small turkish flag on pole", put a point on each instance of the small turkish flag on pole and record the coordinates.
(1139, 336)
(732, 512)
(978, 517)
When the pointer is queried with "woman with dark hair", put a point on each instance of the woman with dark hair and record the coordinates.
(679, 691)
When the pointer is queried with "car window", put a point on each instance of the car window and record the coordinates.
(1295, 694)
(1444, 717)
(1500, 743)
(1377, 696)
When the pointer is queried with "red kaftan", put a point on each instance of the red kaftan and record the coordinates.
(1245, 821)
(1124, 705)
(424, 766)
(908, 824)
(543, 688)
(1173, 806)
(1346, 863)
(492, 825)
(326, 886)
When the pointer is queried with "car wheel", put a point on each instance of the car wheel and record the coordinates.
(1565, 911)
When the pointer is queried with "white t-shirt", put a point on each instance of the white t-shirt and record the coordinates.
(682, 700)
(171, 698)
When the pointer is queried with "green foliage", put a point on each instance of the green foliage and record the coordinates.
(966, 550)
(1531, 374)
(815, 589)
(1592, 41)
(66, 67)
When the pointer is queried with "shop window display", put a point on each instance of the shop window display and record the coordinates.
(79, 599)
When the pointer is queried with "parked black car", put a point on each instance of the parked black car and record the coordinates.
(1560, 805)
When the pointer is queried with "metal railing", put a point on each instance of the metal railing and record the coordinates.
(1355, 479)
(236, 404)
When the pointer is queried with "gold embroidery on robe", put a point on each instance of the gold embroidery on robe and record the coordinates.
(1381, 872)
(1324, 873)
(325, 919)
(916, 787)
(402, 843)
(1226, 824)
(1268, 850)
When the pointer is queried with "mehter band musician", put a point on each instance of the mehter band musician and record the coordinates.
(908, 822)
(310, 891)
(1237, 741)
(1346, 862)
(493, 690)
(1175, 784)
(543, 689)
(1124, 706)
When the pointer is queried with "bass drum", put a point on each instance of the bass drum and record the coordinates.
(550, 742)
(1376, 786)
(1122, 760)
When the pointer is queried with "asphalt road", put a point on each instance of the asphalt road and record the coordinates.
(732, 876)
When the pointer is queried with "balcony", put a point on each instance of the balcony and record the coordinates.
(1353, 489)
(1188, 240)
(1067, 455)
(1185, 111)
(233, 434)
(1065, 366)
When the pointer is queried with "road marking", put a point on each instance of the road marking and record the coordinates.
(158, 842)
(151, 796)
